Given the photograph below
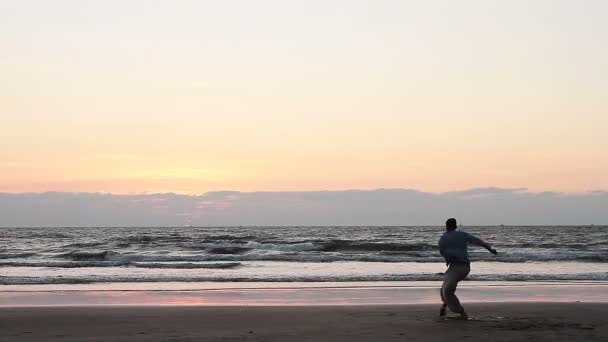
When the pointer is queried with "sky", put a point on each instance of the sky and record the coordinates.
(191, 97)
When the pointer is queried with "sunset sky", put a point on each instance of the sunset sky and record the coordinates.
(196, 96)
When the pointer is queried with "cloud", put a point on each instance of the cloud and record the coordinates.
(486, 192)
(352, 207)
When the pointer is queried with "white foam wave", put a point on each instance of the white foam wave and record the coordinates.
(12, 280)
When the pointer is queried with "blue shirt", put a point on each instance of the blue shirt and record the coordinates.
(453, 245)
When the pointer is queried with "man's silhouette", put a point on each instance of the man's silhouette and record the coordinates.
(453, 248)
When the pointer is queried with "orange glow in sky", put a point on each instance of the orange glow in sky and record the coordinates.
(189, 97)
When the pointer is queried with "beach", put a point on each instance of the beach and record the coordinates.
(491, 322)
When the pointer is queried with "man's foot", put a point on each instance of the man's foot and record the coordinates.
(442, 310)
(463, 316)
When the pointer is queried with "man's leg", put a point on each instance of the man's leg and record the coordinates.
(443, 304)
(455, 273)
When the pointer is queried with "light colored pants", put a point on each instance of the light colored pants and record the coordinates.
(455, 273)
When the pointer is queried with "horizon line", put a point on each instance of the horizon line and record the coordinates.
(523, 190)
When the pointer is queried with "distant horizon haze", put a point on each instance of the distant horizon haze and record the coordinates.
(395, 207)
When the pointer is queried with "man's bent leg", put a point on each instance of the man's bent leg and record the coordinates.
(443, 304)
(455, 273)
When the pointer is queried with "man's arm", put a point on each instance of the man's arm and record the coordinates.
(474, 240)
(441, 246)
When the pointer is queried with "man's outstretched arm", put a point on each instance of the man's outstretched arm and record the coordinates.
(474, 240)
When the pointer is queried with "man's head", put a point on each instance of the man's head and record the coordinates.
(451, 224)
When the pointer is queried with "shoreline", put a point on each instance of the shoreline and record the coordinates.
(296, 294)
(222, 285)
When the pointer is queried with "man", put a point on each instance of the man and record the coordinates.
(453, 248)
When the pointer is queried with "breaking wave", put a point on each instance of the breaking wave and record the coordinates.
(180, 265)
(4, 280)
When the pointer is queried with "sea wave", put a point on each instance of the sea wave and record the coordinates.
(240, 254)
(20, 280)
(47, 235)
(188, 265)
(227, 250)
(308, 246)
(180, 265)
(15, 255)
(87, 255)
(83, 244)
(355, 246)
(553, 245)
(150, 239)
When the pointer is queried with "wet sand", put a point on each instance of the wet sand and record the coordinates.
(491, 322)
(296, 294)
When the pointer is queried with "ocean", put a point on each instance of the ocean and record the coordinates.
(83, 255)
